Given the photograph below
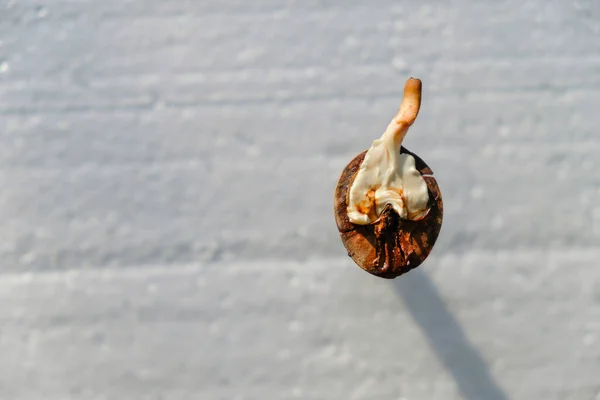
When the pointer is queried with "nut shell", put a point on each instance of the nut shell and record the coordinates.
(390, 246)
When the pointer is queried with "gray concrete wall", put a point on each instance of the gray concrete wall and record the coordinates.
(166, 181)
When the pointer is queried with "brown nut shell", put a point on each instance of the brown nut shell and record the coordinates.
(390, 246)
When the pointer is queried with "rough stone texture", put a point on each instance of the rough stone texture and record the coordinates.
(150, 150)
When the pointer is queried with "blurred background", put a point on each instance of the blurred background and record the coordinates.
(166, 199)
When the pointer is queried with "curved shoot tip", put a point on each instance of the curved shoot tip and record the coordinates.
(411, 102)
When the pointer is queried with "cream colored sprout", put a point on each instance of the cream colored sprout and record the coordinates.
(387, 177)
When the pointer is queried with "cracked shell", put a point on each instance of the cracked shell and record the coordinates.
(390, 246)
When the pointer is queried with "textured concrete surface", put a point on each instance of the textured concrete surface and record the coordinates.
(166, 182)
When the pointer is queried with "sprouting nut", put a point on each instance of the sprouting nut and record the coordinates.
(388, 206)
